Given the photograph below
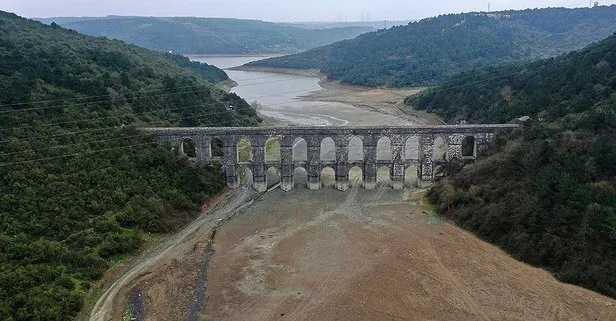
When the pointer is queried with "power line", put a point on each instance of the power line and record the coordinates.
(124, 137)
(162, 94)
(230, 111)
(184, 87)
(141, 113)
(116, 138)
(264, 96)
(197, 116)
(77, 98)
(70, 155)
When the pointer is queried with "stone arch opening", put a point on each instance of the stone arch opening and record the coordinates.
(383, 149)
(356, 176)
(246, 175)
(272, 177)
(356, 149)
(411, 148)
(300, 150)
(300, 178)
(468, 147)
(328, 150)
(383, 177)
(328, 177)
(440, 149)
(438, 172)
(189, 148)
(272, 150)
(244, 150)
(411, 176)
(217, 148)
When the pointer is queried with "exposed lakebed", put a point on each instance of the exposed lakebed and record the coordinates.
(295, 99)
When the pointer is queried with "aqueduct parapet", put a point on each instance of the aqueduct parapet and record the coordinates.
(220, 144)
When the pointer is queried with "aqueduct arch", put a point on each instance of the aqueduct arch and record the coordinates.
(350, 147)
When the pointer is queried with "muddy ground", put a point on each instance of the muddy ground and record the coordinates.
(365, 255)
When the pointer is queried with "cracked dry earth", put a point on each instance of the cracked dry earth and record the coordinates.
(371, 255)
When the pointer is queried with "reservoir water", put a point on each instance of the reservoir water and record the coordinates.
(280, 96)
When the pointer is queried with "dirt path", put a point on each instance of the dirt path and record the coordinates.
(366, 255)
(174, 261)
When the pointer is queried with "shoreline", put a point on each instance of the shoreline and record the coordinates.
(227, 85)
(388, 101)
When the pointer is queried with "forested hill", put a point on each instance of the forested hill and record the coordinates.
(80, 186)
(210, 35)
(546, 194)
(429, 50)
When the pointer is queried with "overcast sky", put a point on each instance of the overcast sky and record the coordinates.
(274, 10)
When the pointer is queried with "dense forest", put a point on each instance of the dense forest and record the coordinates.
(188, 35)
(80, 185)
(428, 51)
(547, 193)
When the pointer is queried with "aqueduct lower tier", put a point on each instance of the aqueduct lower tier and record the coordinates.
(220, 144)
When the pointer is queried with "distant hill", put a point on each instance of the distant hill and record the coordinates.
(210, 35)
(429, 50)
(546, 194)
(376, 25)
(81, 187)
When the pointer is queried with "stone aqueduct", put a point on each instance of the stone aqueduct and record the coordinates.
(220, 144)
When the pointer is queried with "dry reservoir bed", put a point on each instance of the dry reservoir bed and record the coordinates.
(373, 255)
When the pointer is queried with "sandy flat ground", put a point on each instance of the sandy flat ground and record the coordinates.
(385, 101)
(365, 255)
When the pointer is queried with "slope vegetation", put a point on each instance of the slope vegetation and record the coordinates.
(80, 185)
(210, 35)
(429, 50)
(546, 194)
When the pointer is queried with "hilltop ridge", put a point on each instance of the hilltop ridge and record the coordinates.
(428, 51)
(193, 35)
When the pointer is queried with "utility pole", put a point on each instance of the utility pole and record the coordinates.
(489, 4)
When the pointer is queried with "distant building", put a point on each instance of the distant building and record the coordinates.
(596, 4)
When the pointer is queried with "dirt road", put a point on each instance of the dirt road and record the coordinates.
(160, 271)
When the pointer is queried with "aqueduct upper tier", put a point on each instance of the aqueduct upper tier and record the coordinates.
(368, 148)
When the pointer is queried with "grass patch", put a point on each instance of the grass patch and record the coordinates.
(129, 314)
(244, 151)
(272, 150)
(117, 258)
(119, 264)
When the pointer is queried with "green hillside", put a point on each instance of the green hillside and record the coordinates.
(210, 35)
(80, 185)
(546, 194)
(429, 50)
